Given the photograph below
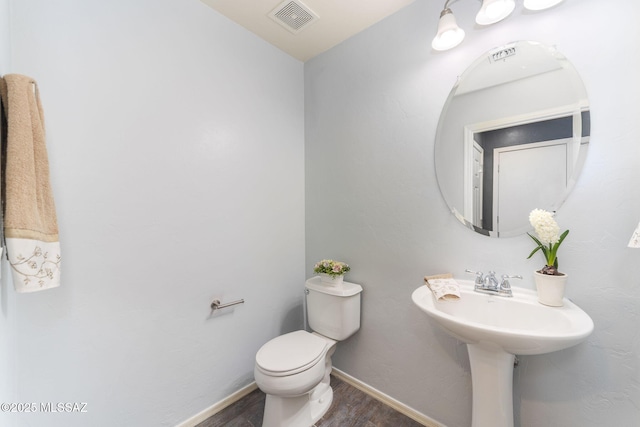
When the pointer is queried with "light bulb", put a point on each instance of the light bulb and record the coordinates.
(449, 34)
(493, 11)
(540, 4)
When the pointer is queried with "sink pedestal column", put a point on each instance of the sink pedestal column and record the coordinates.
(492, 386)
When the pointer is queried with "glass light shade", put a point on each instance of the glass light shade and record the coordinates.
(449, 34)
(493, 11)
(540, 4)
(635, 238)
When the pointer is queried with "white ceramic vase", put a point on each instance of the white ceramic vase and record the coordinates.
(550, 288)
(331, 281)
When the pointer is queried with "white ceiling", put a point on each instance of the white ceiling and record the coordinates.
(338, 20)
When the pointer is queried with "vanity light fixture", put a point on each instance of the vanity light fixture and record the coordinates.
(449, 35)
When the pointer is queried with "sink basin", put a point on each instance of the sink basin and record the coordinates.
(495, 329)
(518, 325)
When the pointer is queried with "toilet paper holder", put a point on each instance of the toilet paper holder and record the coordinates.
(217, 305)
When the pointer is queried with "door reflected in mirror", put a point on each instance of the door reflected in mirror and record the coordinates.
(512, 137)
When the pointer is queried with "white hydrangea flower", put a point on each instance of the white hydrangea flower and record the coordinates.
(545, 226)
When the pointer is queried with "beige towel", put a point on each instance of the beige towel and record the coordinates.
(443, 286)
(30, 224)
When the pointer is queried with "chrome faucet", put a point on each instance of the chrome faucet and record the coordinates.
(490, 281)
(489, 284)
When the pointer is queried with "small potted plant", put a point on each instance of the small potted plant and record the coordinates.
(549, 281)
(330, 271)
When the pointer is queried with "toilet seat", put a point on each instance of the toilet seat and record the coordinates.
(291, 353)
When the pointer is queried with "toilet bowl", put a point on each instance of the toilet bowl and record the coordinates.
(292, 364)
(294, 369)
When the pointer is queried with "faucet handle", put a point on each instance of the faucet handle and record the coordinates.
(504, 284)
(479, 276)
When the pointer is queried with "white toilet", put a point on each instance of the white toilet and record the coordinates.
(293, 369)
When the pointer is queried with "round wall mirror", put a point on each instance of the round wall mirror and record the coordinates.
(512, 137)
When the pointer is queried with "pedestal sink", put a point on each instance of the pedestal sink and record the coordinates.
(497, 328)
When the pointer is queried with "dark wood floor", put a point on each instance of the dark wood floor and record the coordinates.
(350, 408)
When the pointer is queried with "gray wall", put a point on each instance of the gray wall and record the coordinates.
(176, 147)
(372, 105)
(175, 140)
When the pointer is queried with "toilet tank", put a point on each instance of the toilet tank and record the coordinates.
(333, 311)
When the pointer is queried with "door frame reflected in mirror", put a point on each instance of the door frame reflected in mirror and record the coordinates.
(572, 110)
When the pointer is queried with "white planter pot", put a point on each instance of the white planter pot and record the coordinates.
(332, 281)
(550, 288)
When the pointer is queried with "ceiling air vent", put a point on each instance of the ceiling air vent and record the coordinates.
(293, 15)
(502, 54)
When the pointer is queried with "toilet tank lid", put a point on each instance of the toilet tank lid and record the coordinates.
(346, 289)
(291, 353)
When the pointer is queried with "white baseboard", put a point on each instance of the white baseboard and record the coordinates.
(219, 406)
(366, 388)
(386, 399)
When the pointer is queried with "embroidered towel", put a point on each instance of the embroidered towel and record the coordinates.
(30, 224)
(443, 286)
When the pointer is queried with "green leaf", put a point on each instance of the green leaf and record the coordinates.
(535, 239)
(553, 260)
(562, 236)
(534, 251)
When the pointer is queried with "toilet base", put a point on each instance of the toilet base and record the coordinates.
(299, 411)
(303, 410)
